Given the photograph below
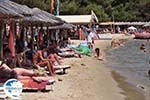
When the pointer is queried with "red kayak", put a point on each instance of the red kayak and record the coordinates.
(144, 35)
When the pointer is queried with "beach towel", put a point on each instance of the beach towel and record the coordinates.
(33, 85)
(36, 83)
(84, 50)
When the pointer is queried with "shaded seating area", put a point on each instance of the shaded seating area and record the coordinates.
(23, 33)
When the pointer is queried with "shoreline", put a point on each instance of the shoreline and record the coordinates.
(130, 91)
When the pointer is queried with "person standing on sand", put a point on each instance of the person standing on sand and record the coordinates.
(81, 33)
(90, 39)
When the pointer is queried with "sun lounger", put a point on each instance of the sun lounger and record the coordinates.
(61, 68)
(65, 49)
(2, 94)
(38, 83)
(66, 54)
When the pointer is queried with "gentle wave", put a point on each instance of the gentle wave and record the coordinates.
(131, 62)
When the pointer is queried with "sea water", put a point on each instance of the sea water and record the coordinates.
(131, 62)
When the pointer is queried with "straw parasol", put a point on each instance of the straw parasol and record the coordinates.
(64, 26)
(41, 17)
(51, 19)
(6, 12)
(21, 9)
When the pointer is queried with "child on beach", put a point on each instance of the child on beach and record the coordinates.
(98, 54)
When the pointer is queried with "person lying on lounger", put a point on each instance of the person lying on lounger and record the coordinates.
(69, 51)
(19, 73)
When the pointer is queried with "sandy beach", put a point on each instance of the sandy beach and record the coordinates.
(88, 79)
(112, 61)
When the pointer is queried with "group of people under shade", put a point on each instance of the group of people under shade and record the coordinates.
(30, 63)
(27, 58)
(44, 62)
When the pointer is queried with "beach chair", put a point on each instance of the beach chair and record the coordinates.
(2, 94)
(61, 69)
(37, 84)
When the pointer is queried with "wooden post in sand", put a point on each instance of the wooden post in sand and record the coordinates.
(1, 39)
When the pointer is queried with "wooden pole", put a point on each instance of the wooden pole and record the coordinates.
(1, 39)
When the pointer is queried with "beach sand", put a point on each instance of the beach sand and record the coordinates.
(88, 79)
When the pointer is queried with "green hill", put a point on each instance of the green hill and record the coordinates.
(121, 10)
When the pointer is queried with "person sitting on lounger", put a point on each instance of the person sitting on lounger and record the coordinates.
(23, 59)
(38, 60)
(54, 59)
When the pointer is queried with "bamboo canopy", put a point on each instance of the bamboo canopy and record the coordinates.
(49, 18)
(64, 26)
(35, 16)
(6, 12)
(34, 20)
(41, 17)
(21, 9)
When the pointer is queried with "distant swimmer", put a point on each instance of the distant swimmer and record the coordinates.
(115, 43)
(149, 72)
(122, 42)
(142, 47)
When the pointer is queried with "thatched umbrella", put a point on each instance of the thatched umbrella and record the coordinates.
(14, 7)
(43, 18)
(63, 26)
(51, 19)
(6, 12)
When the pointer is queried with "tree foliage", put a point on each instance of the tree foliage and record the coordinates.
(106, 10)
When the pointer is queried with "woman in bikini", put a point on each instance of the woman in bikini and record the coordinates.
(39, 61)
(7, 73)
(20, 73)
